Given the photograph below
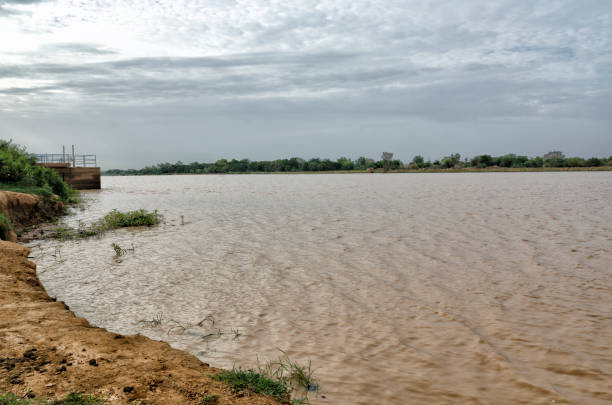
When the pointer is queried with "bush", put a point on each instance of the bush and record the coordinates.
(18, 169)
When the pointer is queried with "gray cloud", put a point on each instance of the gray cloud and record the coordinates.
(7, 11)
(76, 48)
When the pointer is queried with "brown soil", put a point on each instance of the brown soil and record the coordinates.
(26, 210)
(47, 352)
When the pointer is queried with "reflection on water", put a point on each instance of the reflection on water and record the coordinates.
(421, 289)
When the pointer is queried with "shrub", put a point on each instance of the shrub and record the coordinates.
(18, 169)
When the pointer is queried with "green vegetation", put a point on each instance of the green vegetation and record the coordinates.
(276, 378)
(453, 161)
(550, 160)
(72, 399)
(117, 249)
(290, 373)
(113, 220)
(5, 227)
(247, 166)
(117, 219)
(250, 380)
(19, 172)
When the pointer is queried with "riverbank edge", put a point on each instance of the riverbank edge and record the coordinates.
(415, 171)
(46, 351)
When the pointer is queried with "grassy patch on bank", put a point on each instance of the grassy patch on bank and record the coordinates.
(5, 227)
(277, 379)
(72, 399)
(113, 220)
(250, 380)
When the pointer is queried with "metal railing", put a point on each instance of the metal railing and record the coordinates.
(76, 160)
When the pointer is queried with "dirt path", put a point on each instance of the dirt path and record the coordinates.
(47, 352)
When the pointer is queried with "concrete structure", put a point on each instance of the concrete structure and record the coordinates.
(81, 178)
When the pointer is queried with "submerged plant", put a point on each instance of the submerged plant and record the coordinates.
(155, 322)
(113, 220)
(118, 250)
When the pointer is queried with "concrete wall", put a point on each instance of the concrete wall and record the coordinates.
(81, 178)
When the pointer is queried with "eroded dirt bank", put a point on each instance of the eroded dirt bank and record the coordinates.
(26, 210)
(47, 352)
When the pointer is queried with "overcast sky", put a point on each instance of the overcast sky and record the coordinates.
(146, 81)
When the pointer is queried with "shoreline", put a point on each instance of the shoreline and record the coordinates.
(46, 351)
(413, 171)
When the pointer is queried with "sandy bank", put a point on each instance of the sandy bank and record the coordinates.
(45, 350)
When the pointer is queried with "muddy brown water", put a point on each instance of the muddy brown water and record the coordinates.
(480, 288)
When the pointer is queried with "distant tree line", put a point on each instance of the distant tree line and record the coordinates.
(454, 161)
(263, 166)
(551, 160)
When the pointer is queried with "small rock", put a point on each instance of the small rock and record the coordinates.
(128, 389)
(93, 362)
(61, 369)
(29, 354)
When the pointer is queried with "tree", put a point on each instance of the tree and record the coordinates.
(451, 161)
(418, 161)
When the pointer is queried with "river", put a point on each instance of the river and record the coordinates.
(471, 288)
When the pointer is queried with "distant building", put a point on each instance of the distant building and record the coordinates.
(553, 155)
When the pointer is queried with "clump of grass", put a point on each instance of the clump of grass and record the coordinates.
(74, 398)
(292, 374)
(278, 379)
(250, 380)
(113, 220)
(6, 226)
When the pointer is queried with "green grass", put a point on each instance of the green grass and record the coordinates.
(250, 380)
(290, 373)
(113, 220)
(279, 379)
(24, 188)
(5, 227)
(72, 399)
